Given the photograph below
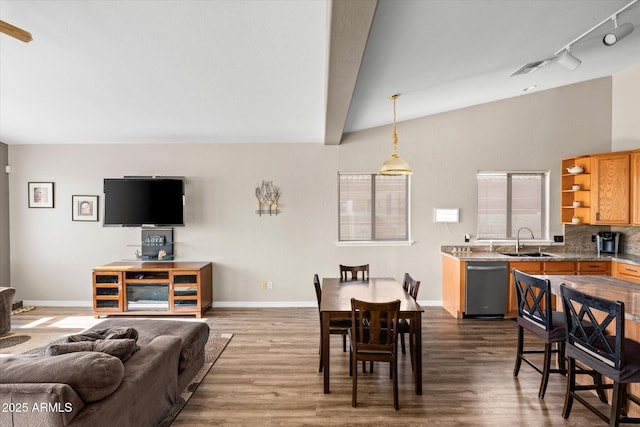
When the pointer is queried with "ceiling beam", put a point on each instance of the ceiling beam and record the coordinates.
(15, 32)
(349, 26)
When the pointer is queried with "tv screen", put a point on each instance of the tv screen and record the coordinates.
(137, 202)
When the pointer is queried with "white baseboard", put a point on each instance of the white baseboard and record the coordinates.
(58, 303)
(216, 304)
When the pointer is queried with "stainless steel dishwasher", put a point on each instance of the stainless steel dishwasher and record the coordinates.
(486, 289)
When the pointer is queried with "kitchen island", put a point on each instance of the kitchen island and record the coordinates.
(610, 288)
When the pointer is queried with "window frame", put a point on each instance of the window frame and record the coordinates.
(405, 241)
(545, 206)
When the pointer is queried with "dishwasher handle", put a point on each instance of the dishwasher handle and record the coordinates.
(486, 268)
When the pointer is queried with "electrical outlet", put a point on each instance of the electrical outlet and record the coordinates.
(269, 285)
(467, 237)
(593, 238)
(558, 239)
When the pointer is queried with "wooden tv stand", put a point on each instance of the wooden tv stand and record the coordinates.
(152, 288)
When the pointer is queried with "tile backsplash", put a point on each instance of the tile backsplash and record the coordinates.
(577, 238)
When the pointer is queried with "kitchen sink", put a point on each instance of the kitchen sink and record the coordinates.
(528, 254)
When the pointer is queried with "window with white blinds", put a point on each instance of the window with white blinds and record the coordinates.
(508, 201)
(373, 207)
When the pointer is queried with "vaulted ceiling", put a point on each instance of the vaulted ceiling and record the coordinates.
(229, 71)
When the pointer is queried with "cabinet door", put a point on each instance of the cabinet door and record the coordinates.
(635, 188)
(185, 291)
(107, 292)
(610, 188)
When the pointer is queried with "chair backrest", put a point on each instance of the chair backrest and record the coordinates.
(533, 295)
(411, 285)
(595, 328)
(350, 272)
(375, 325)
(316, 284)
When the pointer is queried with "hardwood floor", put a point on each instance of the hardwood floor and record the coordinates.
(268, 376)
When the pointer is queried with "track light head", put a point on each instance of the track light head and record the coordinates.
(567, 60)
(618, 33)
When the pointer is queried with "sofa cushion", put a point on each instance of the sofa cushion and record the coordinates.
(92, 375)
(121, 348)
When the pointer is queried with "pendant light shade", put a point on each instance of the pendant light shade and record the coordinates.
(395, 165)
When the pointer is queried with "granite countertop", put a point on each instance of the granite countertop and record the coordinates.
(606, 287)
(554, 256)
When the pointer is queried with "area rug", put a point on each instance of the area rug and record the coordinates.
(23, 309)
(13, 340)
(213, 349)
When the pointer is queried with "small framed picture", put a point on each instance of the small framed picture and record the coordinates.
(41, 194)
(84, 208)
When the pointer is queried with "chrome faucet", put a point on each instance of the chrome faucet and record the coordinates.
(518, 237)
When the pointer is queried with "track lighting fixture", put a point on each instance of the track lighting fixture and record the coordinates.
(618, 33)
(564, 57)
(567, 60)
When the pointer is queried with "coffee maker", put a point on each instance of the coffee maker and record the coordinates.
(608, 242)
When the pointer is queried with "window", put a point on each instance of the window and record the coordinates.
(373, 207)
(508, 201)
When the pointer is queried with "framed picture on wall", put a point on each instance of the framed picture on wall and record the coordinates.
(84, 208)
(40, 194)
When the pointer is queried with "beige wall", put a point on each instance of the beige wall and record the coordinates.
(625, 133)
(52, 257)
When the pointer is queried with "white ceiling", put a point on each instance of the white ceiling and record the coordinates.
(206, 71)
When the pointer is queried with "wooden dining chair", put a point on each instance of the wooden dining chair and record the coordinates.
(348, 272)
(373, 337)
(595, 338)
(411, 286)
(337, 326)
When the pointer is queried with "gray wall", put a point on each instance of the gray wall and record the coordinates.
(4, 216)
(52, 257)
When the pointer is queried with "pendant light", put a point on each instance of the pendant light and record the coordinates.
(395, 165)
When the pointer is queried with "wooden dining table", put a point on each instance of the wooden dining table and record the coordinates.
(336, 303)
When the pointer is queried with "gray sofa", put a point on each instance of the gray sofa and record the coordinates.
(98, 389)
(6, 302)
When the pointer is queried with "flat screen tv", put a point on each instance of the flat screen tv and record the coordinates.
(143, 202)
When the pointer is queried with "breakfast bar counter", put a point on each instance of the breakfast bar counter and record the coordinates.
(607, 287)
(611, 288)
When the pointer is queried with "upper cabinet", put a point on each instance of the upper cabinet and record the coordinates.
(576, 190)
(610, 188)
(635, 188)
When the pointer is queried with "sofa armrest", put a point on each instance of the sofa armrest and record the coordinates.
(38, 404)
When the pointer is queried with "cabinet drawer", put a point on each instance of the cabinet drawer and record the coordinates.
(593, 267)
(555, 267)
(626, 271)
(532, 267)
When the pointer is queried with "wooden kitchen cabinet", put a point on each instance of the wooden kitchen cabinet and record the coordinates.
(593, 267)
(635, 188)
(576, 188)
(534, 267)
(610, 188)
(453, 285)
(624, 271)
